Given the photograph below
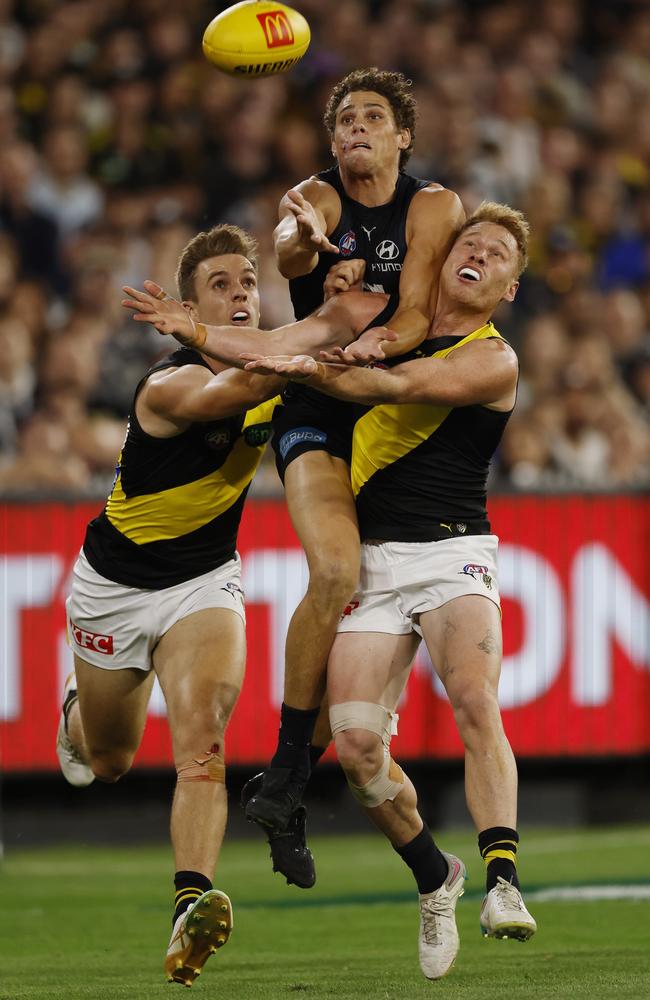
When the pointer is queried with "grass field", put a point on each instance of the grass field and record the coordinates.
(94, 923)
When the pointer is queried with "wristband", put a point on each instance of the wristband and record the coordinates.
(200, 336)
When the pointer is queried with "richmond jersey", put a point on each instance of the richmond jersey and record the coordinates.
(176, 503)
(419, 471)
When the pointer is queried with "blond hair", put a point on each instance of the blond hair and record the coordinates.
(219, 240)
(512, 220)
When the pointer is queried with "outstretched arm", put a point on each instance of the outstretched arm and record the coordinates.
(483, 373)
(192, 393)
(307, 213)
(435, 216)
(335, 323)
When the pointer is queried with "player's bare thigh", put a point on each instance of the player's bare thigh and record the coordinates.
(370, 666)
(113, 705)
(321, 506)
(200, 663)
(464, 641)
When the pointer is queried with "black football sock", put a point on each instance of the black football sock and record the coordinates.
(189, 886)
(296, 729)
(315, 754)
(498, 847)
(426, 861)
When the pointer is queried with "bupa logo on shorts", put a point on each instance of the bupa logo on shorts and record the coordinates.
(352, 606)
(476, 570)
(300, 435)
(348, 243)
(218, 439)
(91, 640)
(257, 435)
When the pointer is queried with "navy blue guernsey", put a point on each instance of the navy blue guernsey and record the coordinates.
(376, 235)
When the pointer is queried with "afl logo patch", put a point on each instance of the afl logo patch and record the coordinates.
(348, 243)
(217, 439)
(387, 250)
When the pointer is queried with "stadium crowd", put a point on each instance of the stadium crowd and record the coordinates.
(118, 141)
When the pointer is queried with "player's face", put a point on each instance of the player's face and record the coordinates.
(226, 292)
(481, 268)
(366, 137)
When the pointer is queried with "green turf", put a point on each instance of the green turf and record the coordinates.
(93, 923)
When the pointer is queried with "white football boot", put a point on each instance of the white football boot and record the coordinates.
(439, 943)
(197, 934)
(504, 914)
(74, 768)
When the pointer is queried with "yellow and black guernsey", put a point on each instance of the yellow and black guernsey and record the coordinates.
(176, 503)
(419, 472)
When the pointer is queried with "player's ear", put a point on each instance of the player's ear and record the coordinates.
(404, 138)
(191, 309)
(512, 291)
(333, 148)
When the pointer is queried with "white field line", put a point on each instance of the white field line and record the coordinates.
(588, 893)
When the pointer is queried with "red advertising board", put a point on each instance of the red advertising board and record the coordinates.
(575, 582)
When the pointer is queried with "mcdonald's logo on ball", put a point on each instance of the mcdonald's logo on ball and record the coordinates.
(256, 38)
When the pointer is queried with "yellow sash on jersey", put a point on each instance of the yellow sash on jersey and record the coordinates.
(177, 511)
(391, 430)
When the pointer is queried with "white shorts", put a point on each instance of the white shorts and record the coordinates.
(401, 580)
(114, 627)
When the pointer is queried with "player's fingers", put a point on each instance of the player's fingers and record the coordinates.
(147, 318)
(154, 289)
(335, 355)
(135, 293)
(132, 304)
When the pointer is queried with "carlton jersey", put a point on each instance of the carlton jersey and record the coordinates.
(176, 503)
(310, 420)
(419, 472)
(376, 235)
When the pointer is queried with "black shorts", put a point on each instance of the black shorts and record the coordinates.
(312, 421)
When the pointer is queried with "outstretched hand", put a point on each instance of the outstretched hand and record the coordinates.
(169, 317)
(362, 351)
(310, 232)
(296, 367)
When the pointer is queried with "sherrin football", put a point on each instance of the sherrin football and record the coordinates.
(256, 38)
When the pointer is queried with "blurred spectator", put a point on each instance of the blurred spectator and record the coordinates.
(63, 190)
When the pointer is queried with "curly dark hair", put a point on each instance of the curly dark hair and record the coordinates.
(222, 239)
(393, 86)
